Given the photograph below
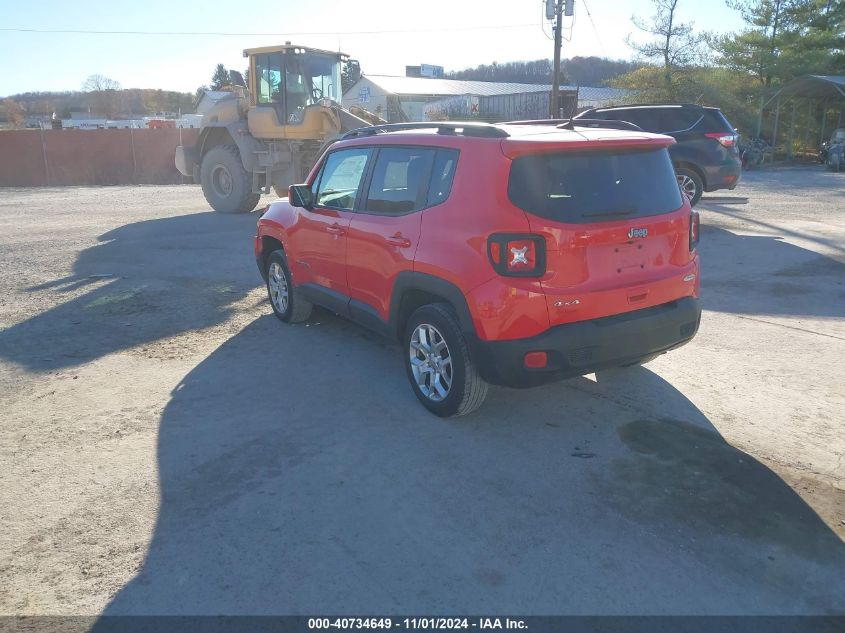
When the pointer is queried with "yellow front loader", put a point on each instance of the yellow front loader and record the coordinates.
(268, 135)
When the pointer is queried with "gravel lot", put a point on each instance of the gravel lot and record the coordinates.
(169, 447)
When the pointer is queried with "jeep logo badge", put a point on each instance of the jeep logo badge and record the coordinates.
(637, 233)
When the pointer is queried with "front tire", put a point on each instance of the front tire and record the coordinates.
(225, 183)
(690, 183)
(288, 304)
(440, 369)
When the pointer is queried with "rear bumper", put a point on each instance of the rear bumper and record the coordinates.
(575, 349)
(723, 176)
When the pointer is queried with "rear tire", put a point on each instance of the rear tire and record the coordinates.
(437, 360)
(225, 183)
(287, 302)
(690, 183)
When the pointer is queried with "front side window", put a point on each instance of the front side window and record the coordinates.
(597, 186)
(340, 177)
(400, 180)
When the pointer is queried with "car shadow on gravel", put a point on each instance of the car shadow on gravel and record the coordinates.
(767, 275)
(142, 282)
(298, 475)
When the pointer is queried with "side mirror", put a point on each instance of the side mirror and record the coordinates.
(300, 196)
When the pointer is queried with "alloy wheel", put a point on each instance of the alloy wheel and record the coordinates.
(431, 362)
(687, 185)
(278, 284)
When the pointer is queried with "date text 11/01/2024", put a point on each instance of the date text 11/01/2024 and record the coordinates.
(417, 623)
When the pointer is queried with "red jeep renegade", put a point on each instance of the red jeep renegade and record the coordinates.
(508, 254)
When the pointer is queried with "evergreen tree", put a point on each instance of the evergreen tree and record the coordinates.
(220, 77)
(350, 74)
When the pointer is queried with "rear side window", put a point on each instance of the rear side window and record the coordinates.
(714, 121)
(645, 118)
(678, 119)
(585, 187)
(400, 180)
(442, 175)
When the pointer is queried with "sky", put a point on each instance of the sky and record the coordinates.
(383, 35)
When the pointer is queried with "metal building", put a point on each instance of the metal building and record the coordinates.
(400, 99)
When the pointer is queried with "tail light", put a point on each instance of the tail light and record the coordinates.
(726, 140)
(517, 255)
(694, 230)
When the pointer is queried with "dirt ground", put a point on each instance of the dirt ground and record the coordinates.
(169, 447)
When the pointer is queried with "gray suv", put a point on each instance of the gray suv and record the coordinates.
(706, 156)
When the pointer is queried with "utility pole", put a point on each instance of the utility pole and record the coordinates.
(554, 109)
(557, 10)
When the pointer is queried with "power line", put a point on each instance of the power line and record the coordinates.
(595, 30)
(291, 34)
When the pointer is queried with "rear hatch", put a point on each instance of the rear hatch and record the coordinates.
(615, 225)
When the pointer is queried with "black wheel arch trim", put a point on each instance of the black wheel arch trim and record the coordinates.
(410, 280)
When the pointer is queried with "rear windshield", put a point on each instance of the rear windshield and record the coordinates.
(595, 186)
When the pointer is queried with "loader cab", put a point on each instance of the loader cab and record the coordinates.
(291, 90)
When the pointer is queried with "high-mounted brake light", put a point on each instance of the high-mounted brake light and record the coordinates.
(694, 230)
(726, 140)
(517, 255)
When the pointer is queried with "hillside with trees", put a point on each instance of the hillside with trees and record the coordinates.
(114, 104)
(578, 71)
(99, 95)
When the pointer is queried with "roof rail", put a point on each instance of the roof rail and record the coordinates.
(485, 130)
(609, 124)
(571, 124)
(536, 122)
(650, 105)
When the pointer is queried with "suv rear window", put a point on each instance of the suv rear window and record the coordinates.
(588, 187)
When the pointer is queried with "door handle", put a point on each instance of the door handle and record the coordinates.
(399, 240)
(336, 229)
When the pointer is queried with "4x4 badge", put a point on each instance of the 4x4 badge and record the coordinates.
(637, 233)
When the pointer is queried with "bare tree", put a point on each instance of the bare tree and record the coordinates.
(99, 83)
(674, 45)
(15, 113)
(104, 95)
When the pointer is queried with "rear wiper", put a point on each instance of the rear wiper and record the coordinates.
(609, 214)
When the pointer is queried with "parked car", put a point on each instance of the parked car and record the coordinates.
(706, 156)
(509, 254)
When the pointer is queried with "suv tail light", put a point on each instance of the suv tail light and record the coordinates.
(726, 140)
(517, 255)
(694, 230)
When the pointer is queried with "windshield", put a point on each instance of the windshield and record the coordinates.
(595, 186)
(309, 78)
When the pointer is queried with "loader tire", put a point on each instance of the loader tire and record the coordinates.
(225, 183)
